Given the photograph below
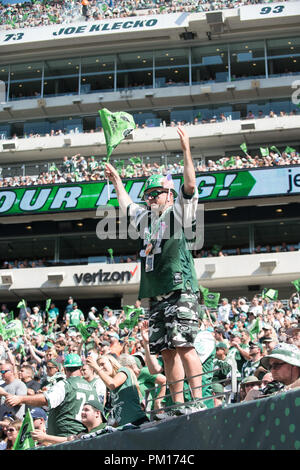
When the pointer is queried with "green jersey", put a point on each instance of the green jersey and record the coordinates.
(166, 260)
(65, 400)
(75, 316)
(147, 382)
(126, 406)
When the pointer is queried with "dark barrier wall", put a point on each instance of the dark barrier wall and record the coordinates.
(266, 424)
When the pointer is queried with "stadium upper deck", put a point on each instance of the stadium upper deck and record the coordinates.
(159, 67)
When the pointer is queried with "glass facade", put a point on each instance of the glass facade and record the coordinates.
(283, 56)
(171, 67)
(209, 64)
(134, 70)
(25, 80)
(151, 118)
(247, 60)
(78, 243)
(153, 69)
(61, 77)
(97, 74)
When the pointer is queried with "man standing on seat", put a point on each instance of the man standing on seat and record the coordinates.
(168, 277)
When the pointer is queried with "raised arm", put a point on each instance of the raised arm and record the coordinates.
(122, 195)
(189, 170)
(150, 359)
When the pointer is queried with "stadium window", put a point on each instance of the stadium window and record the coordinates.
(25, 80)
(282, 56)
(243, 56)
(172, 67)
(133, 70)
(95, 73)
(61, 77)
(209, 64)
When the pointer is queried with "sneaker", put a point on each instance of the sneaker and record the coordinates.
(178, 410)
(195, 406)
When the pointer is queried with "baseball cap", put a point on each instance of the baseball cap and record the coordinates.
(139, 359)
(72, 333)
(258, 345)
(72, 360)
(220, 331)
(37, 413)
(251, 379)
(54, 363)
(217, 388)
(159, 181)
(95, 404)
(235, 333)
(266, 326)
(221, 345)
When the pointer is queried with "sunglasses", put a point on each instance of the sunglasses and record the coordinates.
(10, 429)
(4, 371)
(153, 194)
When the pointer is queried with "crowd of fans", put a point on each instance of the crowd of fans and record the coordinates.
(237, 340)
(42, 13)
(199, 119)
(79, 168)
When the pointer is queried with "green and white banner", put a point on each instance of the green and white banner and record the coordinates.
(218, 186)
(133, 24)
(271, 10)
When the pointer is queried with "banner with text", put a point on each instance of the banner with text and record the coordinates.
(266, 11)
(215, 186)
(131, 24)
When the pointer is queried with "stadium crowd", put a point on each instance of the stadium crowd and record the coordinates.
(89, 169)
(42, 350)
(44, 13)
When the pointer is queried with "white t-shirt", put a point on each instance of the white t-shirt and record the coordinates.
(223, 312)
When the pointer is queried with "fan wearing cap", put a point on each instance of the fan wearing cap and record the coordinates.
(54, 374)
(64, 400)
(221, 366)
(92, 314)
(248, 384)
(250, 367)
(168, 276)
(69, 306)
(74, 317)
(284, 364)
(92, 416)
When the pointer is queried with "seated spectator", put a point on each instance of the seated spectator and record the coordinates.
(12, 433)
(92, 417)
(218, 394)
(249, 367)
(284, 363)
(247, 384)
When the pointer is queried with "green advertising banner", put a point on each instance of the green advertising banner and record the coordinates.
(222, 185)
